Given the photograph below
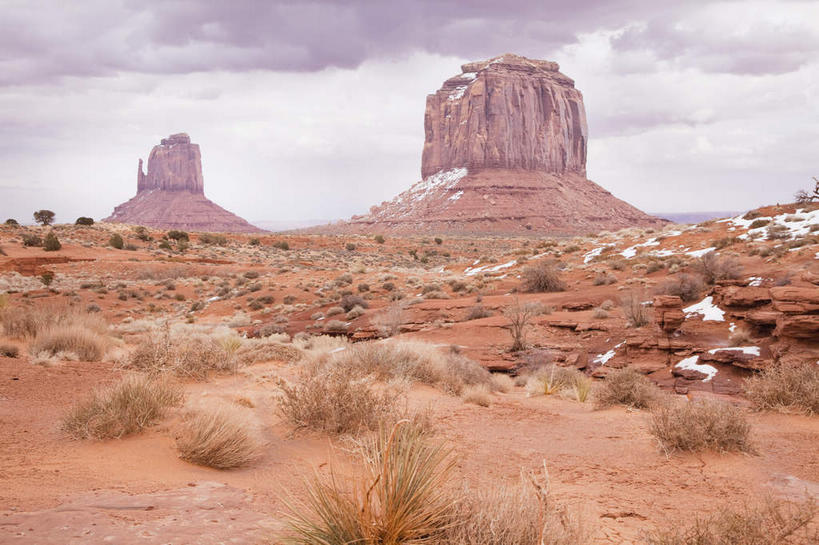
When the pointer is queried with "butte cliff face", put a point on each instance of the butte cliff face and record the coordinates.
(171, 195)
(504, 152)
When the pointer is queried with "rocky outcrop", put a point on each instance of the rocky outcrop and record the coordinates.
(171, 195)
(668, 313)
(504, 153)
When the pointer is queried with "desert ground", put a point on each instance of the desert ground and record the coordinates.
(305, 347)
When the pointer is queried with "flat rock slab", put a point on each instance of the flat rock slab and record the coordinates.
(203, 513)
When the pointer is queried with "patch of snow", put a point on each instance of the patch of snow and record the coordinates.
(691, 364)
(441, 180)
(594, 253)
(732, 327)
(602, 359)
(700, 253)
(630, 252)
(472, 271)
(456, 196)
(755, 281)
(750, 350)
(709, 311)
(212, 299)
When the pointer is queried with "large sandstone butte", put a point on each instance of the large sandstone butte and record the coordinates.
(504, 152)
(172, 193)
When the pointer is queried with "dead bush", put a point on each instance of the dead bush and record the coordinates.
(130, 405)
(714, 267)
(191, 356)
(626, 387)
(687, 287)
(785, 388)
(477, 395)
(216, 438)
(773, 522)
(635, 312)
(702, 425)
(543, 276)
(477, 312)
(85, 343)
(388, 322)
(520, 316)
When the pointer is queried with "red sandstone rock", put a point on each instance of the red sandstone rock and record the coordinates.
(794, 300)
(736, 296)
(172, 193)
(668, 312)
(800, 326)
(763, 317)
(504, 152)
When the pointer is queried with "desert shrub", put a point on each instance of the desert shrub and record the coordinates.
(787, 388)
(83, 220)
(354, 313)
(756, 224)
(51, 243)
(281, 245)
(603, 279)
(477, 312)
(379, 239)
(551, 379)
(702, 425)
(164, 245)
(773, 522)
(600, 314)
(128, 406)
(216, 438)
(47, 278)
(116, 241)
(525, 514)
(543, 276)
(211, 239)
(334, 311)
(30, 322)
(388, 322)
(11, 222)
(9, 351)
(184, 355)
(332, 401)
(776, 231)
(687, 287)
(335, 326)
(626, 387)
(399, 496)
(501, 382)
(254, 241)
(31, 240)
(350, 247)
(177, 235)
(715, 267)
(520, 316)
(348, 302)
(477, 395)
(86, 343)
(363, 287)
(635, 312)
(439, 241)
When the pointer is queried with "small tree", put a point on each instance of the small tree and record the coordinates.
(520, 315)
(116, 241)
(803, 196)
(83, 220)
(44, 217)
(12, 222)
(51, 243)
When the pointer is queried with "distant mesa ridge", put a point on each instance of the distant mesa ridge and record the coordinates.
(171, 195)
(504, 153)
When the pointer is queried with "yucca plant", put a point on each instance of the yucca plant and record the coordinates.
(398, 499)
(582, 387)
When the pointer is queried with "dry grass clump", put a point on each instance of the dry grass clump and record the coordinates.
(551, 379)
(87, 344)
(128, 406)
(687, 287)
(332, 401)
(477, 312)
(26, 322)
(216, 438)
(626, 387)
(525, 514)
(543, 276)
(501, 382)
(414, 361)
(635, 312)
(388, 322)
(477, 395)
(399, 496)
(786, 388)
(774, 522)
(267, 349)
(698, 426)
(715, 267)
(184, 355)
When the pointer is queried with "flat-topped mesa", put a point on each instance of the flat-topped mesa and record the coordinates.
(174, 165)
(508, 112)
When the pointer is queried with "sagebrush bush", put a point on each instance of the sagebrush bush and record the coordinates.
(116, 241)
(626, 387)
(477, 395)
(774, 522)
(88, 344)
(714, 267)
(399, 496)
(184, 355)
(787, 388)
(216, 438)
(126, 407)
(477, 312)
(51, 243)
(701, 425)
(687, 287)
(543, 276)
(636, 313)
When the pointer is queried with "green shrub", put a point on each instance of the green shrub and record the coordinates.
(51, 243)
(116, 241)
(44, 217)
(83, 220)
(12, 222)
(31, 240)
(178, 235)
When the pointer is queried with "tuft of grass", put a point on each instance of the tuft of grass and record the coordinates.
(581, 386)
(774, 522)
(501, 382)
(191, 356)
(216, 438)
(699, 426)
(399, 497)
(785, 388)
(626, 387)
(478, 395)
(543, 276)
(337, 403)
(550, 380)
(87, 344)
(635, 312)
(126, 407)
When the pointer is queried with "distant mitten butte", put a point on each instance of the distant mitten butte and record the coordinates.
(504, 153)
(171, 195)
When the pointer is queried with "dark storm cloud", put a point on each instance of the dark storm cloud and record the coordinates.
(43, 40)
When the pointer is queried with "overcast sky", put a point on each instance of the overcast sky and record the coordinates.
(315, 110)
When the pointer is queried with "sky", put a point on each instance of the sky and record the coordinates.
(314, 110)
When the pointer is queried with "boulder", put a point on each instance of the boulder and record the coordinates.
(738, 296)
(668, 312)
(795, 300)
(799, 327)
